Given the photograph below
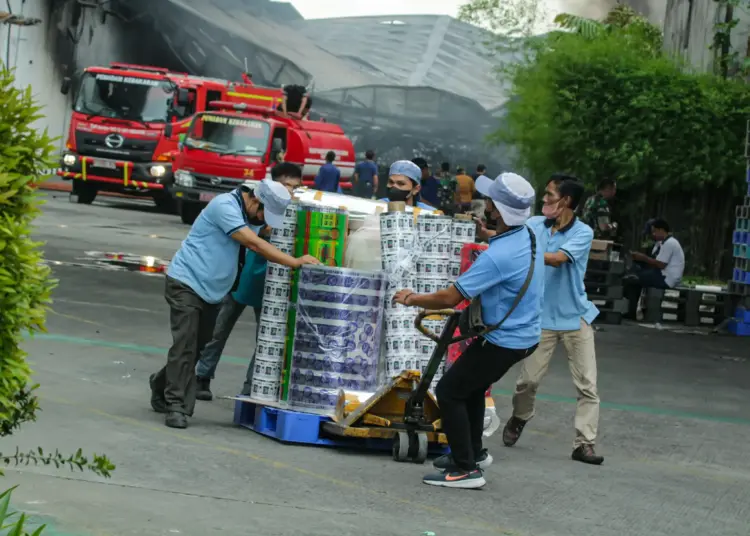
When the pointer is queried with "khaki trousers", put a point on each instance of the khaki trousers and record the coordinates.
(582, 361)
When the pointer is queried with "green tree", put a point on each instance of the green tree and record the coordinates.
(591, 102)
(25, 281)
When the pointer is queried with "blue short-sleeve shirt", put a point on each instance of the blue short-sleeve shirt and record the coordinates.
(367, 171)
(498, 275)
(207, 261)
(565, 300)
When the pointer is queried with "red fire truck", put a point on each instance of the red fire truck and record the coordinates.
(116, 140)
(238, 141)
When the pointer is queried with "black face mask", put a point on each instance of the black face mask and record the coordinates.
(256, 221)
(396, 194)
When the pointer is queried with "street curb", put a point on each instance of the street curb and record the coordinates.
(67, 187)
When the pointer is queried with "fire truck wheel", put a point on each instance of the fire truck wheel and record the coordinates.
(83, 194)
(189, 211)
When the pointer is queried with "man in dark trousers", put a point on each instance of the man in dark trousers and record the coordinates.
(202, 272)
(366, 176)
(249, 292)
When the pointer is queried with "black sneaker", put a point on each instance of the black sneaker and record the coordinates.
(203, 390)
(586, 454)
(158, 403)
(445, 462)
(176, 420)
(457, 478)
(512, 431)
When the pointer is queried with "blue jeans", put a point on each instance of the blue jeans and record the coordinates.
(228, 316)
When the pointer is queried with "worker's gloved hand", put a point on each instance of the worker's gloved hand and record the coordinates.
(307, 259)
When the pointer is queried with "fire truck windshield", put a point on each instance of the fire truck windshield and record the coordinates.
(228, 135)
(124, 97)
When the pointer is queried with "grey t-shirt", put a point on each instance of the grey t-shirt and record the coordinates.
(670, 252)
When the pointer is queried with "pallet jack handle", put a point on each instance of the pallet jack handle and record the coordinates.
(431, 334)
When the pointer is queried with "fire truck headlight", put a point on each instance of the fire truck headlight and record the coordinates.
(157, 171)
(184, 178)
(69, 160)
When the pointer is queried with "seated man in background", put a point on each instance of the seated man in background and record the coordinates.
(663, 269)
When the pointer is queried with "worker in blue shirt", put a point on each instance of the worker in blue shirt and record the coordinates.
(202, 273)
(366, 176)
(430, 184)
(497, 277)
(404, 184)
(249, 293)
(567, 315)
(329, 175)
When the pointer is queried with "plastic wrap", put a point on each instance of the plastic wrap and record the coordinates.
(269, 355)
(337, 334)
(462, 232)
(355, 205)
(398, 245)
(434, 235)
(320, 231)
(363, 247)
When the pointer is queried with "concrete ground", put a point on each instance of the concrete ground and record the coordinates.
(674, 428)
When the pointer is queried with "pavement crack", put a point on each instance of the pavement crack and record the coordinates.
(189, 494)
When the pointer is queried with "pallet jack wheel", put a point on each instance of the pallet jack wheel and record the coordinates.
(422, 446)
(401, 447)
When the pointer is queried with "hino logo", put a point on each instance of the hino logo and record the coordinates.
(114, 141)
(215, 181)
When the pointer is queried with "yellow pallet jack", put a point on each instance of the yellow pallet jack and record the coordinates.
(403, 409)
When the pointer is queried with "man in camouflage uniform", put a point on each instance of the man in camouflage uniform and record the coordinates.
(596, 211)
(447, 189)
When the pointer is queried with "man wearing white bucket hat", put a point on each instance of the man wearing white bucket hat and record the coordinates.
(508, 279)
(200, 275)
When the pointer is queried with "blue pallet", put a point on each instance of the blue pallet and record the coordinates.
(741, 329)
(296, 427)
(741, 314)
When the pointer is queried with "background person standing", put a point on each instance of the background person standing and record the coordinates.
(328, 176)
(567, 315)
(597, 213)
(428, 183)
(366, 176)
(465, 190)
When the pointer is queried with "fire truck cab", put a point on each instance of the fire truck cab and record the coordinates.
(116, 140)
(239, 141)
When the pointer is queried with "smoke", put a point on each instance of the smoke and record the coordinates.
(654, 10)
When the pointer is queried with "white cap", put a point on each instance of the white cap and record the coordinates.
(511, 194)
(275, 198)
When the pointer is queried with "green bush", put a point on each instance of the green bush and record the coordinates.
(25, 281)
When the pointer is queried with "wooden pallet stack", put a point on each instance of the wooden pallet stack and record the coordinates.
(603, 282)
(691, 307)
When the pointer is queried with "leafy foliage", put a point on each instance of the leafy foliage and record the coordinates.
(508, 19)
(25, 284)
(602, 108)
(622, 20)
(99, 465)
(14, 523)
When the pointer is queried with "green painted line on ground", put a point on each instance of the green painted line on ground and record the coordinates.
(500, 392)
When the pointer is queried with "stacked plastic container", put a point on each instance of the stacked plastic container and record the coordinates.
(269, 357)
(337, 335)
(434, 234)
(398, 245)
